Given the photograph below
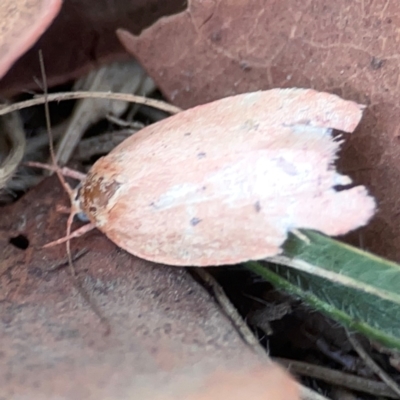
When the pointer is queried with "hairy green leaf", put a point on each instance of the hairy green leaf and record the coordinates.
(352, 286)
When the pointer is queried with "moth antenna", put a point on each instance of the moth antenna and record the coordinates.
(48, 126)
(71, 194)
(76, 233)
(52, 153)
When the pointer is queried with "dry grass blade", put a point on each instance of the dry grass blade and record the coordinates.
(161, 105)
(242, 328)
(338, 378)
(373, 365)
(13, 142)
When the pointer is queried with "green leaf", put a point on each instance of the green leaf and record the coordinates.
(354, 287)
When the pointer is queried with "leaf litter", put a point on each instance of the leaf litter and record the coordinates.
(370, 211)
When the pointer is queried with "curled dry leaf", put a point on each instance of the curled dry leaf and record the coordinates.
(82, 38)
(225, 182)
(22, 23)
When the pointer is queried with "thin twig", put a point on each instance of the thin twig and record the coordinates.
(373, 365)
(339, 378)
(46, 107)
(161, 105)
(244, 331)
(74, 277)
(231, 311)
(12, 132)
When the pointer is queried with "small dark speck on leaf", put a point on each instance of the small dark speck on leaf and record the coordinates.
(37, 272)
(194, 221)
(201, 155)
(156, 293)
(167, 328)
(216, 36)
(244, 66)
(377, 63)
(257, 206)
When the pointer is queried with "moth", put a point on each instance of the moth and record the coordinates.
(224, 182)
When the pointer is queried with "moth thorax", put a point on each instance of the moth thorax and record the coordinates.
(95, 195)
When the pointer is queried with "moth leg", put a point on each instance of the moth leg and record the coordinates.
(68, 210)
(63, 209)
(65, 171)
(80, 176)
(79, 232)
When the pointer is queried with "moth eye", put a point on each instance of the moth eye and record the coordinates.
(83, 217)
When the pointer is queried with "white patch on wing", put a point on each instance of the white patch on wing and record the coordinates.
(177, 195)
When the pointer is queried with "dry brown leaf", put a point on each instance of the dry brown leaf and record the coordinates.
(82, 38)
(22, 22)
